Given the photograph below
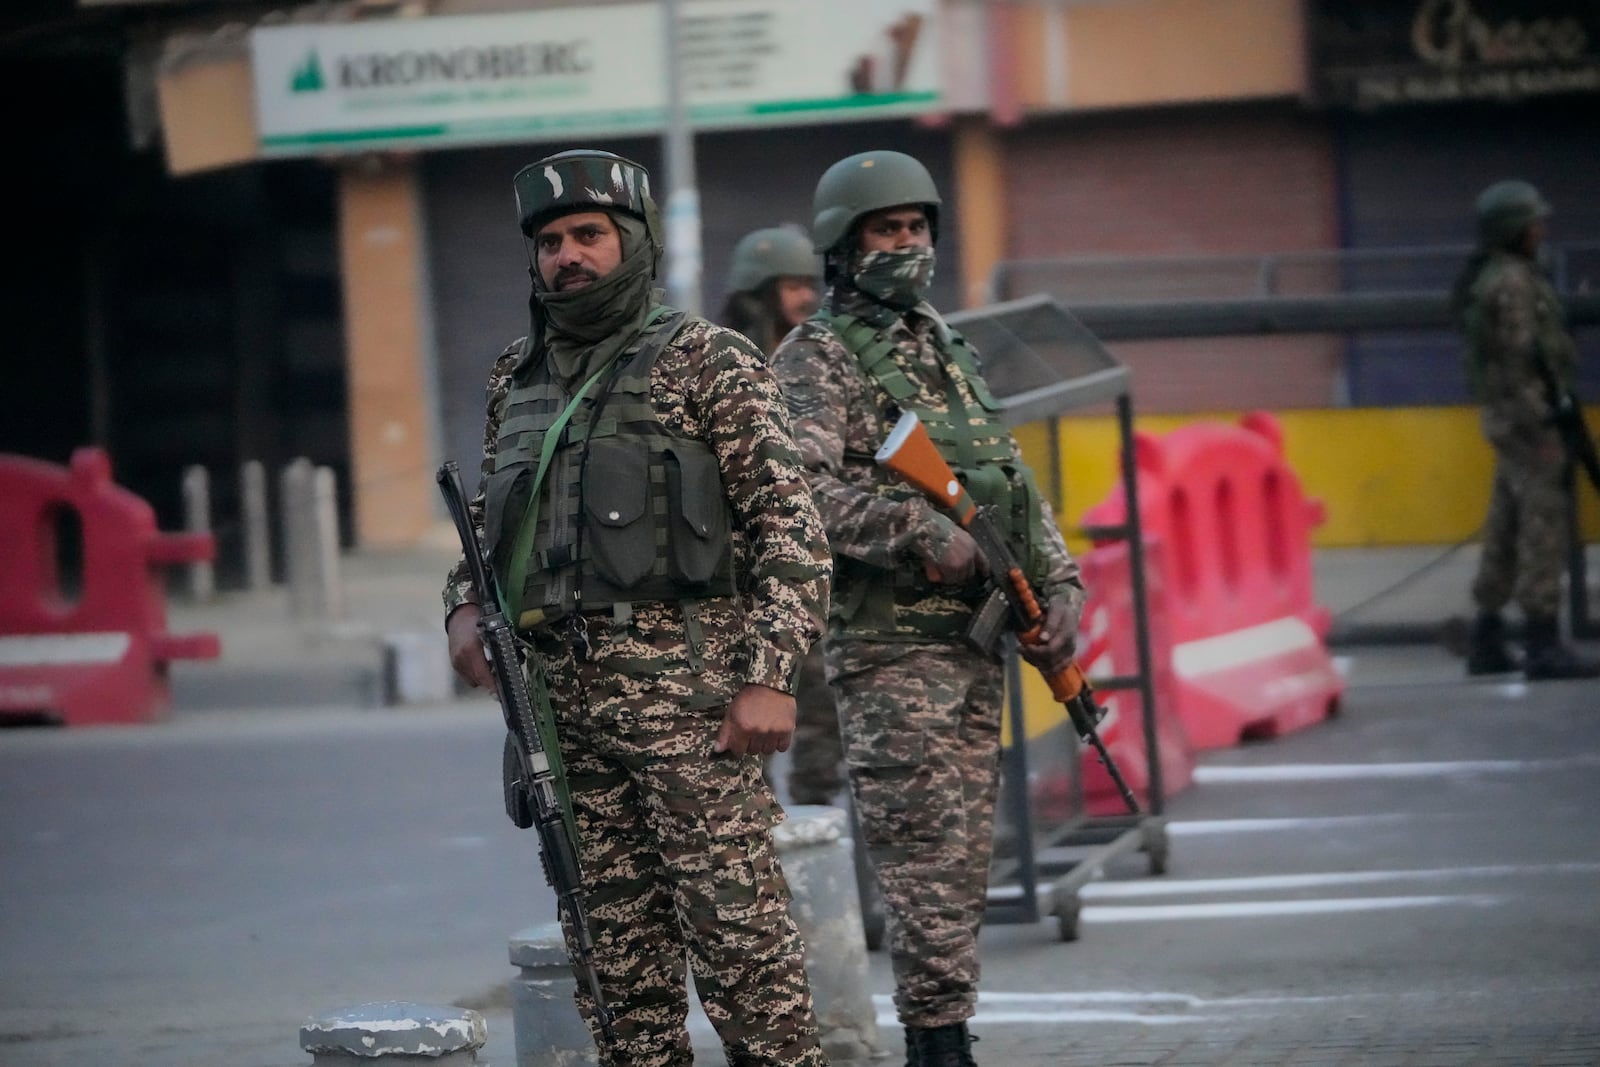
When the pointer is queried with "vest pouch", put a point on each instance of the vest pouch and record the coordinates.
(698, 514)
(505, 502)
(616, 496)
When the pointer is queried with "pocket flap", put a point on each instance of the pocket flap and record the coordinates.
(616, 486)
(700, 491)
(738, 815)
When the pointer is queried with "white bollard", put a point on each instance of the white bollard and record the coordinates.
(818, 857)
(253, 518)
(295, 525)
(197, 519)
(329, 585)
(395, 1032)
(416, 668)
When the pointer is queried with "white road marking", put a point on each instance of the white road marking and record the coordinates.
(1178, 887)
(1205, 827)
(1327, 772)
(1245, 909)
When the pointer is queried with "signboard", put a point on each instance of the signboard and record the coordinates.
(579, 71)
(1372, 54)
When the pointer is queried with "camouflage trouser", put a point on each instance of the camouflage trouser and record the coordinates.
(921, 726)
(816, 755)
(1526, 534)
(676, 848)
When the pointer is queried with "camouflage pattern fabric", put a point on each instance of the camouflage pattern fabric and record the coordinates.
(1514, 323)
(920, 718)
(841, 417)
(674, 841)
(921, 726)
(675, 845)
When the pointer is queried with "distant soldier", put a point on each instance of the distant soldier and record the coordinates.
(1519, 356)
(648, 519)
(772, 288)
(772, 284)
(919, 707)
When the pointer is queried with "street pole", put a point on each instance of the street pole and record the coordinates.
(683, 198)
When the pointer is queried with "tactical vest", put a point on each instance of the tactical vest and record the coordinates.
(976, 443)
(1553, 344)
(630, 510)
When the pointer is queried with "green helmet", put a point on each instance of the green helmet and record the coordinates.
(777, 252)
(866, 182)
(1506, 209)
(585, 179)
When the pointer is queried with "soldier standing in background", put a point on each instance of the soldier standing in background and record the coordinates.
(772, 288)
(1518, 352)
(667, 569)
(919, 708)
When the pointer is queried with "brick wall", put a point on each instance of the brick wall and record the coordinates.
(1190, 181)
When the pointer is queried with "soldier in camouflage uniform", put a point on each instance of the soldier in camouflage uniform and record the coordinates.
(667, 569)
(772, 288)
(1516, 344)
(919, 707)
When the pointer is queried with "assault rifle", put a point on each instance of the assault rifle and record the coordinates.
(1569, 423)
(536, 762)
(911, 454)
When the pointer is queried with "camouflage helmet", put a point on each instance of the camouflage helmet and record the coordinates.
(1506, 209)
(584, 179)
(776, 252)
(867, 182)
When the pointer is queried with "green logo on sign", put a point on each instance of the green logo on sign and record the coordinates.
(308, 76)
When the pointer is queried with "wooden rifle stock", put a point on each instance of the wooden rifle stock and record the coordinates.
(910, 453)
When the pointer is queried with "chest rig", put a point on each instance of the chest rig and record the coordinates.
(627, 510)
(971, 436)
(1553, 345)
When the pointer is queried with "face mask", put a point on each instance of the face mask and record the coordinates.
(898, 278)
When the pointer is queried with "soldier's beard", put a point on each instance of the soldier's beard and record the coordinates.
(898, 278)
(589, 324)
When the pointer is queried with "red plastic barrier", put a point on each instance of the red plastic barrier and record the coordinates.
(97, 652)
(1109, 647)
(1249, 656)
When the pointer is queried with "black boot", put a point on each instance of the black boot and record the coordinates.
(1486, 649)
(1547, 657)
(939, 1046)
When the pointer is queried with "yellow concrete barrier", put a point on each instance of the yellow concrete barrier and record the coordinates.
(1389, 476)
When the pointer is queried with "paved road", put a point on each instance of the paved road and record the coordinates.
(1414, 883)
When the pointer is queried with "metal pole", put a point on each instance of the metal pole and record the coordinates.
(683, 197)
(1141, 604)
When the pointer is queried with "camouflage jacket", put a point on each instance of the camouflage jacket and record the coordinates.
(841, 417)
(710, 383)
(1515, 336)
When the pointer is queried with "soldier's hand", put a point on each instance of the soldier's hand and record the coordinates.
(466, 647)
(1057, 642)
(759, 719)
(959, 561)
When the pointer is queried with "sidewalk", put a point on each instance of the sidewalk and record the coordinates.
(1395, 597)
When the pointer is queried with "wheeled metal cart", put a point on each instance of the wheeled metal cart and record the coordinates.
(1041, 362)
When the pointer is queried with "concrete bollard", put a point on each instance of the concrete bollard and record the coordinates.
(549, 1031)
(311, 541)
(395, 1032)
(818, 857)
(416, 668)
(295, 526)
(197, 519)
(253, 516)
